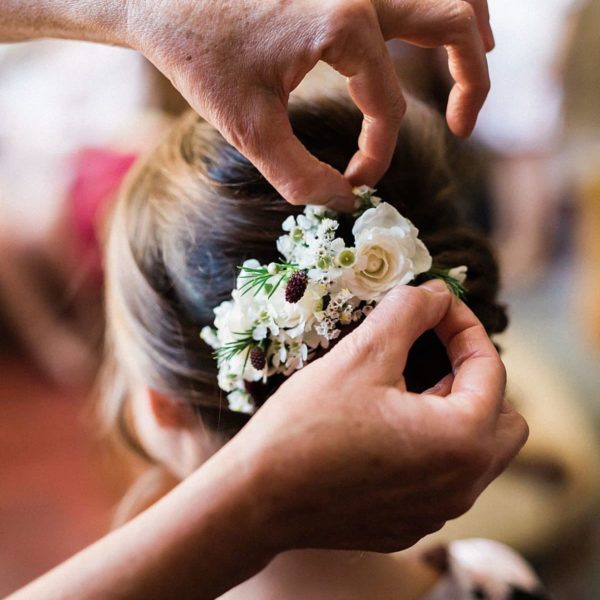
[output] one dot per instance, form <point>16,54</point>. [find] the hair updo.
<point>195,209</point>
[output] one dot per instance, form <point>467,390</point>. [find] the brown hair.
<point>195,209</point>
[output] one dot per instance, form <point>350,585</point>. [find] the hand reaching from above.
<point>236,62</point>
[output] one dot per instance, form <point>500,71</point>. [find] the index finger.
<point>265,136</point>
<point>382,342</point>
<point>375,89</point>
<point>479,374</point>
<point>468,67</point>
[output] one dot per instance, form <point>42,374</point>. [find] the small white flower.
<point>296,357</point>
<point>285,246</point>
<point>346,258</point>
<point>209,335</point>
<point>289,223</point>
<point>327,228</point>
<point>366,196</point>
<point>240,401</point>
<point>386,252</point>
<point>459,273</point>
<point>297,234</point>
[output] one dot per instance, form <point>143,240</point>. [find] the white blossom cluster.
<point>264,330</point>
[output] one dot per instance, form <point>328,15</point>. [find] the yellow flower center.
<point>377,264</point>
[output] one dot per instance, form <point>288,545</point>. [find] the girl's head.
<point>194,210</point>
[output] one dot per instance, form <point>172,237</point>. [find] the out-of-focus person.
<point>583,152</point>
<point>63,152</point>
<point>521,124</point>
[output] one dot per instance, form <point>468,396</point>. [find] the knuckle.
<point>351,15</point>
<point>523,430</point>
<point>346,20</point>
<point>299,190</point>
<point>410,297</point>
<point>365,341</point>
<point>465,15</point>
<point>503,374</point>
<point>473,420</point>
<point>396,108</point>
<point>469,457</point>
<point>293,199</point>
<point>434,526</point>
<point>460,504</point>
<point>250,131</point>
<point>243,134</point>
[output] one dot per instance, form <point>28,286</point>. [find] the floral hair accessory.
<point>280,314</point>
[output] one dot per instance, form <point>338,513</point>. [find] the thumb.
<point>383,341</point>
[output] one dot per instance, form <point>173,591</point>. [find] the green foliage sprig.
<point>258,278</point>
<point>454,285</point>
<point>231,349</point>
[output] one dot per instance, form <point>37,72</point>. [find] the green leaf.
<point>231,349</point>
<point>455,286</point>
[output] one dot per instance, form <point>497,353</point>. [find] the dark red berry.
<point>296,286</point>
<point>257,358</point>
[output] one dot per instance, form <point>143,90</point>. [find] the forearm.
<point>203,538</point>
<point>92,20</point>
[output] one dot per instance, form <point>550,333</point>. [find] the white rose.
<point>388,253</point>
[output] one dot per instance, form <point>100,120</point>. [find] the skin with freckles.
<point>236,62</point>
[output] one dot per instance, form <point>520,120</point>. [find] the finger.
<point>264,135</point>
<point>479,375</point>
<point>468,68</point>
<point>375,89</point>
<point>383,341</point>
<point>511,435</point>
<point>442,388</point>
<point>483,23</point>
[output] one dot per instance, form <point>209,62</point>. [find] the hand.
<point>236,62</point>
<point>350,459</point>
<point>342,456</point>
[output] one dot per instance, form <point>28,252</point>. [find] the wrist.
<point>273,485</point>
<point>88,20</point>
<point>231,494</point>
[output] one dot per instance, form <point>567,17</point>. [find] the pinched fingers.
<point>383,341</point>
<point>483,23</point>
<point>487,428</point>
<point>357,50</point>
<point>264,135</point>
<point>479,374</point>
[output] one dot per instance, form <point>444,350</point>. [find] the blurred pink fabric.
<point>98,176</point>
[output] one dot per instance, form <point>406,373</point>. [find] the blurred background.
<point>74,118</point>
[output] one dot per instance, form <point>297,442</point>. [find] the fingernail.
<point>346,204</point>
<point>435,286</point>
